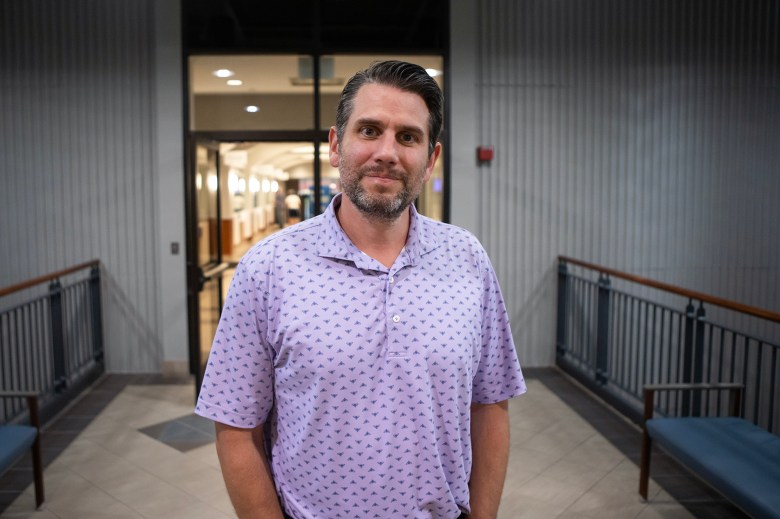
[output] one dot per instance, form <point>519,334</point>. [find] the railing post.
<point>57,336</point>
<point>602,330</point>
<point>97,315</point>
<point>563,292</point>
<point>687,364</point>
<point>698,358</point>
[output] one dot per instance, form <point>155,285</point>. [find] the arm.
<point>490,455</point>
<point>247,473</point>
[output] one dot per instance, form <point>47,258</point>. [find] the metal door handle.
<point>213,272</point>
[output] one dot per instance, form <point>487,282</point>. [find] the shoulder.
<point>452,237</point>
<point>288,242</point>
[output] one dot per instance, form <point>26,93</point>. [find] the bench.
<point>735,457</point>
<point>15,439</point>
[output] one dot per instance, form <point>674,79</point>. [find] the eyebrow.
<point>376,122</point>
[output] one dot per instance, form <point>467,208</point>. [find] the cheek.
<point>419,165</point>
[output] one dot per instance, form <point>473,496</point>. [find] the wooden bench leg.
<point>644,467</point>
<point>37,459</point>
<point>38,471</point>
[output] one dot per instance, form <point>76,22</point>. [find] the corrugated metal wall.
<point>76,157</point>
<point>639,134</point>
<point>642,135</point>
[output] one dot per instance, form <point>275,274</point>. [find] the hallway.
<point>131,448</point>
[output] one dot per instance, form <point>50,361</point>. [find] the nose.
<point>386,150</point>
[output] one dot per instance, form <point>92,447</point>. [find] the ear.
<point>333,145</point>
<point>432,161</point>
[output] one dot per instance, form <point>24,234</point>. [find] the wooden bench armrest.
<point>17,394</point>
<point>650,390</point>
<point>32,404</point>
<point>694,385</point>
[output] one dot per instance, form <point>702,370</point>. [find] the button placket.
<point>397,347</point>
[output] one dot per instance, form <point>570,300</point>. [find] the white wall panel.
<point>77,157</point>
<point>639,135</point>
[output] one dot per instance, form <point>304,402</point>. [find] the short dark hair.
<point>404,76</point>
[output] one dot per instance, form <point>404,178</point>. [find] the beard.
<point>377,205</point>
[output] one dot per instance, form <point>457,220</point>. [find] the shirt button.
<point>391,279</point>
<point>396,318</point>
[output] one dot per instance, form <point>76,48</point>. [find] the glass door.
<point>205,257</point>
<point>259,162</point>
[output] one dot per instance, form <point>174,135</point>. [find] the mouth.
<point>382,181</point>
<point>383,175</point>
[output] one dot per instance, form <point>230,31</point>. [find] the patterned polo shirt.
<point>363,375</point>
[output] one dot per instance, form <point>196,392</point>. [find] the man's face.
<point>383,155</point>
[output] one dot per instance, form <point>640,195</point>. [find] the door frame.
<point>213,140</point>
<point>194,271</point>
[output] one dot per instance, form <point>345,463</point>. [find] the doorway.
<point>241,193</point>
<point>258,162</point>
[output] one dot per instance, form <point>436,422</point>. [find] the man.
<point>363,360</point>
<point>293,203</point>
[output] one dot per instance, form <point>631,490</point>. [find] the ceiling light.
<point>252,109</point>
<point>234,82</point>
<point>223,72</point>
<point>433,72</point>
<point>212,182</point>
<point>233,182</point>
<point>309,150</point>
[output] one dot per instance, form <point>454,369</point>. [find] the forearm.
<point>247,472</point>
<point>490,455</point>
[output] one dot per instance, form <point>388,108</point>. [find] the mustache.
<point>380,171</point>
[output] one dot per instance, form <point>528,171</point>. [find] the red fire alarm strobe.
<point>484,153</point>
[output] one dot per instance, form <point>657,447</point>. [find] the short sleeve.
<point>239,380</point>
<point>498,376</point>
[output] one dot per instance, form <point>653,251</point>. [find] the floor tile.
<point>145,455</point>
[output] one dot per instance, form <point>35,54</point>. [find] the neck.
<point>381,239</point>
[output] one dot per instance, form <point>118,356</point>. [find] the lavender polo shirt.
<point>364,375</point>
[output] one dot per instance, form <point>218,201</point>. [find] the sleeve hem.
<point>228,417</point>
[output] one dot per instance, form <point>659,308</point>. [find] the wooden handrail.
<point>724,303</point>
<point>48,277</point>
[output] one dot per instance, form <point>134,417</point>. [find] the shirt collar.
<point>332,241</point>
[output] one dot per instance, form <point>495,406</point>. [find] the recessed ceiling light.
<point>309,150</point>
<point>433,72</point>
<point>234,82</point>
<point>252,109</point>
<point>223,72</point>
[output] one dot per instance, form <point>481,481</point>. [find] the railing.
<point>617,332</point>
<point>51,338</point>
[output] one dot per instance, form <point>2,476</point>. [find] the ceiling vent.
<point>306,72</point>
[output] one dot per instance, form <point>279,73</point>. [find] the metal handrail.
<point>52,342</point>
<point>706,298</point>
<point>617,341</point>
<point>46,277</point>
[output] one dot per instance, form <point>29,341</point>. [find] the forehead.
<point>390,105</point>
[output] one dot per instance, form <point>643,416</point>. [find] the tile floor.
<point>131,448</point>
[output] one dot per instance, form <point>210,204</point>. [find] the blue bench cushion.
<point>738,458</point>
<point>14,442</point>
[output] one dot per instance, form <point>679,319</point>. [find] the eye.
<point>368,131</point>
<point>408,138</point>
